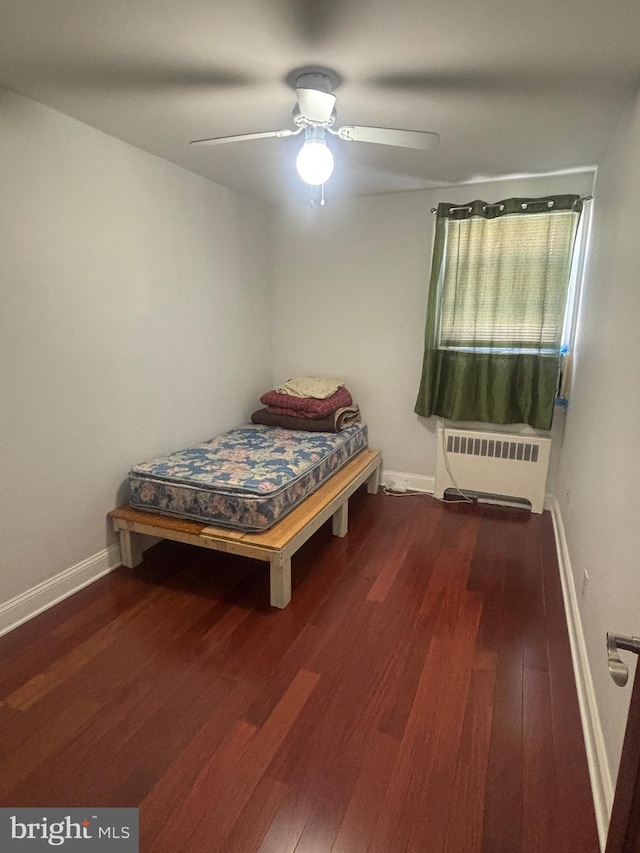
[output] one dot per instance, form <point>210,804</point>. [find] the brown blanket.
<point>335,422</point>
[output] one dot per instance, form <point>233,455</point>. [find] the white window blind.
<point>504,281</point>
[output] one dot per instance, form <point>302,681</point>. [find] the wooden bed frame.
<point>276,545</point>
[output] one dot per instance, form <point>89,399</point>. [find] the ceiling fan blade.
<point>243,137</point>
<point>315,105</point>
<point>389,136</point>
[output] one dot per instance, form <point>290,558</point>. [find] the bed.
<point>257,491</point>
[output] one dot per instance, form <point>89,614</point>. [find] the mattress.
<point>247,478</point>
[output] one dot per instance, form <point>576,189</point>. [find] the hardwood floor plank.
<point>168,730</point>
<point>487,576</point>
<point>140,738</point>
<point>541,829</point>
<point>436,801</point>
<point>503,803</point>
<point>121,668</point>
<point>36,688</point>
<point>216,816</point>
<point>401,678</point>
<point>535,647</point>
<point>179,822</point>
<point>43,744</point>
<point>324,820</point>
<point>288,823</point>
<point>214,736</point>
<point>109,639</point>
<point>66,778</point>
<point>64,626</point>
<point>464,830</point>
<point>358,825</point>
<point>256,817</point>
<point>391,565</point>
<point>416,804</point>
<point>360,664</point>
<point>343,691</point>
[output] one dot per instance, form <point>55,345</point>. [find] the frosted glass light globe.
<point>314,162</point>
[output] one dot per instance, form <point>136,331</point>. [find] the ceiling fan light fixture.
<point>315,162</point>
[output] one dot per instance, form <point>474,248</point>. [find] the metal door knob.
<point>618,669</point>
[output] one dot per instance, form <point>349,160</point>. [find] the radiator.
<point>495,464</point>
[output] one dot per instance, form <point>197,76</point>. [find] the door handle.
<point>618,669</point>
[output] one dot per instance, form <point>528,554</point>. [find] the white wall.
<point>600,461</point>
<point>134,320</point>
<point>350,284</point>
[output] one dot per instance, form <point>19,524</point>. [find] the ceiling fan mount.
<point>313,77</point>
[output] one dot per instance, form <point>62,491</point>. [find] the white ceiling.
<point>512,87</point>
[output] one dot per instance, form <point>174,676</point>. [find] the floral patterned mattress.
<point>247,478</point>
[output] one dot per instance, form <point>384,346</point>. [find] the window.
<point>499,313</point>
<point>504,284</point>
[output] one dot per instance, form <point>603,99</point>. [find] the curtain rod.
<point>582,198</point>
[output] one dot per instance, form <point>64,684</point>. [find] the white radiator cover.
<point>499,464</point>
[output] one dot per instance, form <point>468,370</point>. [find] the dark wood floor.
<point>416,695</point>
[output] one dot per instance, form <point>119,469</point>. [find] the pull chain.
<point>322,198</point>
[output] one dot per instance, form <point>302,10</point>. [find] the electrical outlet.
<point>585,585</point>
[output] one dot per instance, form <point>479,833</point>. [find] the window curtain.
<point>496,310</point>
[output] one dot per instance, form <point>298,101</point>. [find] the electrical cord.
<point>387,490</point>
<point>465,498</point>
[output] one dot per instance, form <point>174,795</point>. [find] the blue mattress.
<point>247,478</point>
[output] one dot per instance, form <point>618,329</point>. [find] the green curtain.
<point>495,312</point>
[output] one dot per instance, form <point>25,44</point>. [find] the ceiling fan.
<point>315,114</point>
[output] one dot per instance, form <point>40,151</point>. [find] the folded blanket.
<point>335,422</point>
<point>310,386</point>
<point>308,407</point>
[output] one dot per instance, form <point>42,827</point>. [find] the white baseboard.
<point>412,482</point>
<point>28,604</point>
<point>601,781</point>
